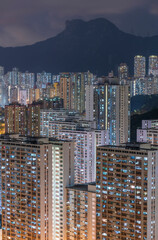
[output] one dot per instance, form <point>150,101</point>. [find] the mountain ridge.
<point>96,45</point>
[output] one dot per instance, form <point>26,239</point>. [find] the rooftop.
<point>88,187</point>
<point>16,138</point>
<point>132,146</point>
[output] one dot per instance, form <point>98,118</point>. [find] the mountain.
<point>96,45</point>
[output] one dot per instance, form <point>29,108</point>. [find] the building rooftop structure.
<point>132,146</point>
<point>91,187</point>
<point>28,139</point>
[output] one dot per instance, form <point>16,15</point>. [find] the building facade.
<point>126,186</point>
<point>112,111</point>
<point>34,119</point>
<point>148,133</point>
<point>16,119</point>
<point>81,212</point>
<point>35,172</point>
<point>153,65</point>
<point>89,104</point>
<point>139,66</point>
<point>84,152</point>
<point>123,72</point>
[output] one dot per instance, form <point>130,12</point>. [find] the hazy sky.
<point>27,21</point>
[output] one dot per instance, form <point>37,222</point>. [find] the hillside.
<point>96,45</point>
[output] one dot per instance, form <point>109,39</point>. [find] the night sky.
<point>27,21</point>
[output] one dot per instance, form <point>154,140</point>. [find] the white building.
<point>41,170</point>
<point>149,132</point>
<point>150,123</point>
<point>85,152</point>
<point>62,176</point>
<point>81,132</point>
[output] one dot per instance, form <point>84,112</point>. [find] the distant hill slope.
<point>96,45</point>
<point>144,103</point>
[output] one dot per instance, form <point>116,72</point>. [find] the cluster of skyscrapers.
<point>68,169</point>
<point>145,80</point>
<point>25,88</point>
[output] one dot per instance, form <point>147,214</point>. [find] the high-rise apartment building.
<point>66,90</point>
<point>31,120</point>
<point>145,86</point>
<point>7,79</point>
<point>38,94</point>
<point>52,128</point>
<point>153,65</point>
<point>31,95</point>
<point>52,103</point>
<point>29,79</point>
<point>86,142</point>
<point>15,119</point>
<point>127,190</point>
<point>81,81</point>
<point>26,80</point>
<point>89,102</point>
<point>34,119</point>
<point>81,212</point>
<point>50,116</point>
<point>89,78</point>
<point>35,173</point>
<point>79,92</point>
<point>72,89</point>
<point>1,71</point>
<point>59,125</point>
<point>2,78</point>
<point>123,71</point>
<point>14,76</point>
<point>148,133</point>
<point>23,97</point>
<point>55,78</point>
<point>56,90</point>
<point>43,79</point>
<point>112,111</point>
<point>13,94</point>
<point>3,94</point>
<point>139,66</point>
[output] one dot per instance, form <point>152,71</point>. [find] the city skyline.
<point>68,165</point>
<point>79,120</point>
